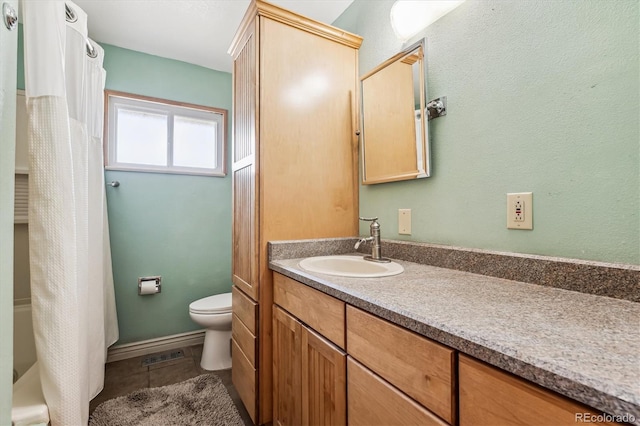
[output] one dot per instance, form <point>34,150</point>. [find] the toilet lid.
<point>218,304</point>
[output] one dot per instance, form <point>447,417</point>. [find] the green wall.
<point>8,47</point>
<point>542,97</point>
<point>176,226</point>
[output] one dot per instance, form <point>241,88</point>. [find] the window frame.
<point>171,109</point>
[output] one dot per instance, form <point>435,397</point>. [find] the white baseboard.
<point>160,344</point>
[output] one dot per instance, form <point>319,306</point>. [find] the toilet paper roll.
<point>147,287</point>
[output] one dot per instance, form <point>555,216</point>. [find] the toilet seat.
<point>218,304</point>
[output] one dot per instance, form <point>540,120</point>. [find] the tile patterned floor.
<point>126,376</point>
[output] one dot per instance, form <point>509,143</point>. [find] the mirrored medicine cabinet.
<point>394,134</point>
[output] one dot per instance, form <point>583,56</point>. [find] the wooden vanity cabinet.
<point>309,371</point>
<point>393,376</point>
<point>294,160</point>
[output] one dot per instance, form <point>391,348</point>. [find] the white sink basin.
<point>350,266</point>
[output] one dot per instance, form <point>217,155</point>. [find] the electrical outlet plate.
<point>404,221</point>
<point>520,210</point>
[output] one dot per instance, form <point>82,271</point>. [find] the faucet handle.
<point>375,226</point>
<point>369,219</point>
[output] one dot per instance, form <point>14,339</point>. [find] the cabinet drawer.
<point>244,339</point>
<point>321,312</point>
<point>372,401</point>
<point>244,308</point>
<point>421,368</point>
<point>491,396</point>
<point>244,378</point>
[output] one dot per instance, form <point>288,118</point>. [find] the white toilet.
<point>214,314</point>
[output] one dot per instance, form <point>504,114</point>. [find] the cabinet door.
<point>324,392</point>
<point>244,178</point>
<point>287,332</point>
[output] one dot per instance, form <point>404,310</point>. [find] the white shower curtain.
<point>71,279</point>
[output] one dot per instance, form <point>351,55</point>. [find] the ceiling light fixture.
<point>408,17</point>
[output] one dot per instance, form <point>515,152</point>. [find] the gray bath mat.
<point>202,400</point>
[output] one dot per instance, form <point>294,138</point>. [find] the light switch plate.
<point>404,221</point>
<point>520,210</point>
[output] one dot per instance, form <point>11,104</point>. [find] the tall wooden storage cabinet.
<point>295,172</point>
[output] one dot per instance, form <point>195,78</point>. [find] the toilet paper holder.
<point>149,285</point>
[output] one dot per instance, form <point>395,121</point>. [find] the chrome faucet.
<point>376,248</point>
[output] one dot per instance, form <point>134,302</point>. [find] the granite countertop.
<point>583,346</point>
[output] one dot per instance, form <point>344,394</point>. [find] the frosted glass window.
<point>141,138</point>
<point>194,142</point>
<point>154,135</point>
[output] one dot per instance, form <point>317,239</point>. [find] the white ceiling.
<point>194,31</point>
